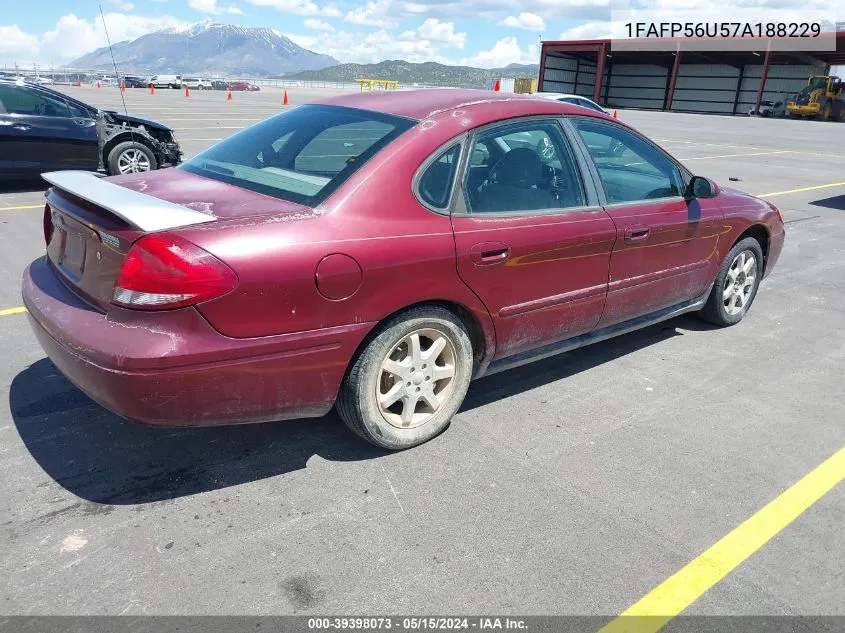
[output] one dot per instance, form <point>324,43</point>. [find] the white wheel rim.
<point>416,378</point>
<point>739,283</point>
<point>132,161</point>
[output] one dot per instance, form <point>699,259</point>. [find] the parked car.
<point>770,109</point>
<point>196,83</point>
<point>243,85</point>
<point>133,81</point>
<point>573,99</point>
<point>492,252</point>
<point>219,84</point>
<point>44,130</point>
<point>165,81</point>
<point>38,79</point>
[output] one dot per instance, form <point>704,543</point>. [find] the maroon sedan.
<point>377,252</point>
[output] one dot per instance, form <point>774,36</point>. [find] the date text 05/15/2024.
<point>416,623</point>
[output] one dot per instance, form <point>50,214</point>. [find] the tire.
<point>725,311</point>
<point>399,426</point>
<point>114,158</point>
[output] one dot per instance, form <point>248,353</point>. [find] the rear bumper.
<point>172,368</point>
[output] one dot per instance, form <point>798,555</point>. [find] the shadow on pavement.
<point>836,202</point>
<point>23,185</point>
<point>102,458</point>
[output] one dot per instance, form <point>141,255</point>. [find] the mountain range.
<point>208,48</point>
<point>427,73</point>
<point>227,50</point>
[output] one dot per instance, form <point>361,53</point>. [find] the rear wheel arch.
<point>478,336</point>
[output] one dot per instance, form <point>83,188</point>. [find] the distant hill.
<point>429,73</point>
<point>208,48</point>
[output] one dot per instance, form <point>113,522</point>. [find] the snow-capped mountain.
<point>208,47</point>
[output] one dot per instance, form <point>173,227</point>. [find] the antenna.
<point>114,63</point>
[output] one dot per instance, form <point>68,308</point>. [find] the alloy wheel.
<point>416,378</point>
<point>132,161</point>
<point>739,282</point>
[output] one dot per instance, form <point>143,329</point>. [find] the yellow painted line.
<point>9,311</point>
<point>676,593</point>
<point>800,189</point>
<point>21,208</point>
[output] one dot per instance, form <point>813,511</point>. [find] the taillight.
<point>165,271</point>
<point>48,224</point>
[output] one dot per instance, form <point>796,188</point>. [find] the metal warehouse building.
<point>680,80</point>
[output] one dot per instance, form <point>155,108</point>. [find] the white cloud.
<point>73,36</point>
<point>16,45</point>
<point>210,6</point>
<point>318,25</point>
<point>587,31</point>
<point>374,13</point>
<point>525,20</point>
<point>371,47</point>
<point>435,31</point>
<point>298,7</point>
<point>504,52</point>
<point>123,5</point>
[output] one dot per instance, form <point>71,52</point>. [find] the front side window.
<point>530,168</point>
<point>630,168</point>
<point>28,101</point>
<point>302,155</point>
<point>435,185</point>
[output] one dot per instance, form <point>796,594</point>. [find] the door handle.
<point>487,253</point>
<point>23,127</point>
<point>636,233</point>
<point>82,122</point>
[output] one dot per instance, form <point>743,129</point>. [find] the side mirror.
<point>701,187</point>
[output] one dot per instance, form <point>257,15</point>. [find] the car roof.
<point>427,102</point>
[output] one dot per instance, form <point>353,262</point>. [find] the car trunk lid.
<point>96,220</point>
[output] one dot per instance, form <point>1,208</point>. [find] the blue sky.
<point>481,32</point>
<point>487,33</point>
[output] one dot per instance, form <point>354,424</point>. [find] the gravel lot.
<point>572,486</point>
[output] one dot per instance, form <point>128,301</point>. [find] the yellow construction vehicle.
<point>821,98</point>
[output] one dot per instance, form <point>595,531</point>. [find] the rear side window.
<point>435,185</point>
<point>302,155</point>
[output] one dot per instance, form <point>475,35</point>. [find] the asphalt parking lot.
<point>572,486</point>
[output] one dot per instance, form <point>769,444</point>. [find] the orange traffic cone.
<point>98,83</point>
<point>123,86</point>
<point>285,101</point>
<point>614,114</point>
<point>187,91</point>
<point>229,95</point>
<point>497,86</point>
<point>152,89</point>
<point>78,83</point>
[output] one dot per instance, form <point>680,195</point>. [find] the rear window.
<point>302,155</point>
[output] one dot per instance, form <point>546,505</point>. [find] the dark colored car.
<point>219,84</point>
<point>44,130</point>
<point>132,81</point>
<point>243,86</point>
<point>376,252</point>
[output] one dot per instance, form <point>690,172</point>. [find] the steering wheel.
<point>546,148</point>
<point>616,148</point>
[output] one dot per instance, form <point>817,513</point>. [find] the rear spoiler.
<point>138,209</point>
